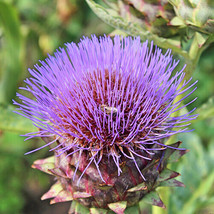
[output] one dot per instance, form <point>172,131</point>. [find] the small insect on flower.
<point>106,107</point>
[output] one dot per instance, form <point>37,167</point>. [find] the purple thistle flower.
<point>113,98</point>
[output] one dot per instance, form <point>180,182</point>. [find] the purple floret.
<point>107,97</point>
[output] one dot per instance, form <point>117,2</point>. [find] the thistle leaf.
<point>167,174</point>
<point>44,165</point>
<point>58,172</point>
<point>169,151</point>
<point>118,207</point>
<point>62,197</point>
<point>153,199</point>
<point>81,195</point>
<point>79,209</point>
<point>172,183</point>
<point>139,187</point>
<point>176,155</point>
<point>53,192</point>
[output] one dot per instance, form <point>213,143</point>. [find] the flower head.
<point>104,97</point>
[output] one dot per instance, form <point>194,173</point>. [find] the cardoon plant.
<point>106,108</point>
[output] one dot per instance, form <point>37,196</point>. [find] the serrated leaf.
<point>62,197</point>
<point>9,121</point>
<point>139,187</point>
<point>167,174</point>
<point>131,28</point>
<point>171,183</point>
<point>53,191</point>
<point>176,155</point>
<point>81,195</point>
<point>118,207</point>
<point>169,151</point>
<point>44,164</point>
<point>57,172</point>
<point>153,199</point>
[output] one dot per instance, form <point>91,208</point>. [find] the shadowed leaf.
<point>167,174</point>
<point>172,183</point>
<point>139,187</point>
<point>79,209</point>
<point>176,155</point>
<point>153,199</point>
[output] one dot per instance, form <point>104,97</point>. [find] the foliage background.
<point>31,29</point>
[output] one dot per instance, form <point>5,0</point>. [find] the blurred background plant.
<point>31,29</point>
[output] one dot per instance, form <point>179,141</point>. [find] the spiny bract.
<point>105,107</point>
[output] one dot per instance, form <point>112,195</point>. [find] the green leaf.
<point>171,183</point>
<point>79,209</point>
<point>10,55</point>
<point>9,121</point>
<point>132,210</point>
<point>139,187</point>
<point>206,110</point>
<point>153,199</point>
<point>177,21</point>
<point>176,155</point>
<point>118,207</point>
<point>118,32</point>
<point>94,210</point>
<point>131,28</point>
<point>167,174</point>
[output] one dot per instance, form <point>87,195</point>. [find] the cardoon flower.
<point>106,107</point>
